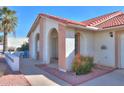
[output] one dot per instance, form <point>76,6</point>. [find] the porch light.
<point>111,34</point>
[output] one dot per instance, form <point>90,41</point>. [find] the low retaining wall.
<point>13,61</point>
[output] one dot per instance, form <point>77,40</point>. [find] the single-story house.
<point>54,38</point>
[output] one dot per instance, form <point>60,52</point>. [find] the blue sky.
<point>27,14</point>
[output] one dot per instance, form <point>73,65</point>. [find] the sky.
<point>27,14</point>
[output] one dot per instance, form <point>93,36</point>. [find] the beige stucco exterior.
<point>98,44</point>
<point>104,56</point>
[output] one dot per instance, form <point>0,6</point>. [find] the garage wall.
<point>104,48</point>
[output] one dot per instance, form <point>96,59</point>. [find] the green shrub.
<point>82,65</point>
<point>75,64</point>
<point>24,47</point>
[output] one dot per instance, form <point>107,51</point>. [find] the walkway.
<point>37,77</point>
<point>115,78</point>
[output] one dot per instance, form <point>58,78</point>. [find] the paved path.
<point>37,77</point>
<point>115,78</point>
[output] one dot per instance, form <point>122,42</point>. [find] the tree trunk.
<point>5,42</point>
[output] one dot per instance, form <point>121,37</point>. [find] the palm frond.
<point>8,19</point>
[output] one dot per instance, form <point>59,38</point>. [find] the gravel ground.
<point>10,78</point>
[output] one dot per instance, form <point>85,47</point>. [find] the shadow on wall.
<point>69,60</point>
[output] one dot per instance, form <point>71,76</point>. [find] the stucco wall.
<point>70,47</point>
<point>90,44</point>
<point>48,26</point>
<point>34,33</point>
<point>86,43</point>
<point>104,56</point>
<point>30,45</point>
<point>121,62</point>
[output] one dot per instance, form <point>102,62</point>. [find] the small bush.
<point>24,47</point>
<point>11,49</point>
<point>75,64</point>
<point>82,65</point>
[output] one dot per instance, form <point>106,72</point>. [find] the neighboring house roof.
<point>106,21</point>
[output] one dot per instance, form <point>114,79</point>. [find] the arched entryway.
<point>37,46</point>
<point>80,44</point>
<point>53,47</point>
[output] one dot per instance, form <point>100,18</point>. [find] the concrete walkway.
<point>40,80</point>
<point>37,77</point>
<point>115,78</point>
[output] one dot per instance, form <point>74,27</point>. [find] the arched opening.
<point>37,46</point>
<point>53,47</point>
<point>82,44</point>
<point>77,43</point>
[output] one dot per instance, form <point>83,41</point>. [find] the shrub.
<point>11,49</point>
<point>75,65</point>
<point>82,64</point>
<point>24,47</point>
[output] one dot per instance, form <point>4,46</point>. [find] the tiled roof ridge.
<point>110,19</point>
<point>100,19</point>
<point>115,21</point>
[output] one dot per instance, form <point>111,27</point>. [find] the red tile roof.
<point>101,22</point>
<point>63,20</point>
<point>115,21</point>
<point>106,21</point>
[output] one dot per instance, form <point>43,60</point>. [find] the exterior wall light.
<point>111,34</point>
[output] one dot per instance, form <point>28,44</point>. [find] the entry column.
<point>61,48</point>
<point>41,39</point>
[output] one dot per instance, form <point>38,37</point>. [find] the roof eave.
<point>92,28</point>
<point>113,28</point>
<point>83,27</point>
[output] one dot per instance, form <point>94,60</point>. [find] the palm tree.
<point>8,23</point>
